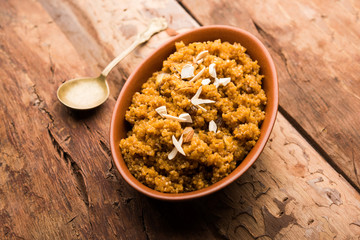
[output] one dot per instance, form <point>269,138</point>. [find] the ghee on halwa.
<point>236,109</point>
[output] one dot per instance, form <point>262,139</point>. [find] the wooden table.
<point>57,178</point>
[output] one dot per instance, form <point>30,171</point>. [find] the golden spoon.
<point>88,93</point>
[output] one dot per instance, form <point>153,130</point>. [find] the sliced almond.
<point>197,94</point>
<point>212,70</point>
<point>188,134</point>
<point>200,61</point>
<point>216,82</point>
<point>212,126</point>
<point>187,71</point>
<point>172,154</point>
<point>198,75</point>
<point>177,144</point>
<point>161,110</point>
<point>224,81</point>
<point>201,55</point>
<point>159,78</point>
<point>197,101</point>
<point>186,117</point>
<point>201,101</point>
<point>206,81</point>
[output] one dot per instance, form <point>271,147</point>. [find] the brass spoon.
<point>88,93</point>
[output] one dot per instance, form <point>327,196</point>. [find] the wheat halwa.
<point>208,102</point>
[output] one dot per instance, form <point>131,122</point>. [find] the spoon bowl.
<point>84,93</point>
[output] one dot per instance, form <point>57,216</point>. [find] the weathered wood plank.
<point>315,45</point>
<point>57,180</point>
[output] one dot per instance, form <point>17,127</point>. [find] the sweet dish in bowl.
<point>213,65</point>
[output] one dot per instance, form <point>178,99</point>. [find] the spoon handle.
<point>156,25</point>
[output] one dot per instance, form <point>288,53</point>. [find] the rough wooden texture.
<point>315,45</point>
<point>57,180</point>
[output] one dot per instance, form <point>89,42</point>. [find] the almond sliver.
<point>186,117</point>
<point>201,101</point>
<point>201,55</point>
<point>177,144</point>
<point>198,75</point>
<point>161,110</point>
<point>197,94</point>
<point>212,126</point>
<point>206,81</point>
<point>187,71</point>
<point>196,100</point>
<point>216,82</point>
<point>212,70</point>
<point>224,81</point>
<point>172,154</point>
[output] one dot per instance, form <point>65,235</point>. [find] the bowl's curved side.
<point>153,63</point>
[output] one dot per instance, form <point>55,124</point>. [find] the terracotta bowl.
<point>119,127</point>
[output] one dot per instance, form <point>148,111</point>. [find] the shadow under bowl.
<point>119,127</point>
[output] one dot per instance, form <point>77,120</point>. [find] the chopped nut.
<point>184,117</point>
<point>197,101</point>
<point>201,55</point>
<point>206,81</point>
<point>212,70</point>
<point>177,147</point>
<point>188,134</point>
<point>177,144</point>
<point>198,75</point>
<point>212,126</point>
<point>187,71</point>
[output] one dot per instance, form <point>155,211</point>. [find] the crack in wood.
<point>354,166</point>
<point>247,211</point>
<point>144,224</point>
<point>357,223</point>
<point>72,219</point>
<point>188,11</point>
<point>105,148</point>
<point>261,193</point>
<point>40,104</point>
<point>76,171</point>
<point>52,65</point>
<point>248,231</point>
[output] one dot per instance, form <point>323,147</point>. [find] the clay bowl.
<point>119,127</point>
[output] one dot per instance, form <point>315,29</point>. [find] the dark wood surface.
<point>57,178</point>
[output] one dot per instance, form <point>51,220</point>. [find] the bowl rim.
<point>237,172</point>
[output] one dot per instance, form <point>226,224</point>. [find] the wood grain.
<point>315,45</point>
<point>57,179</point>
